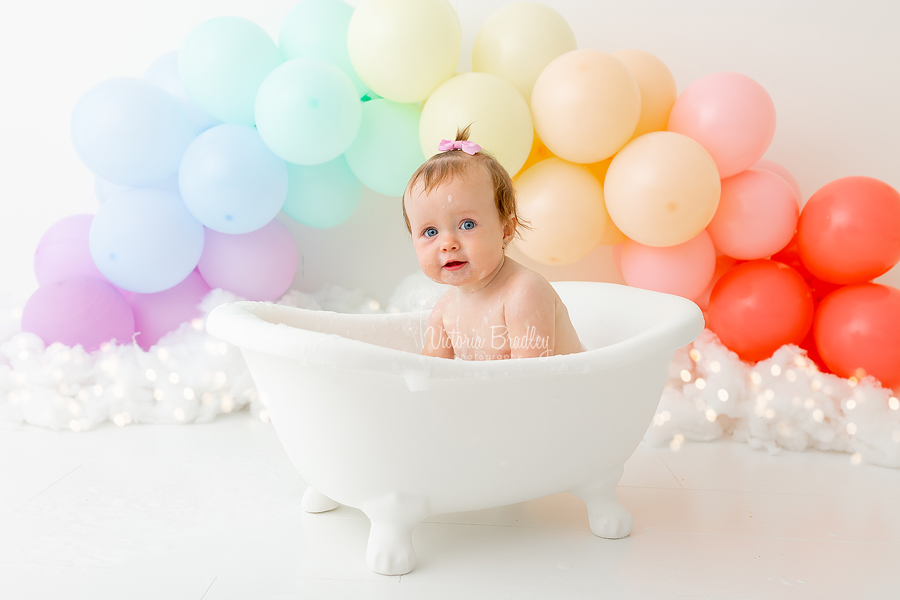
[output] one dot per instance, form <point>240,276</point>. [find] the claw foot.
<point>607,517</point>
<point>316,502</point>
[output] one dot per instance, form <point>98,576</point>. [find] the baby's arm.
<point>437,342</point>
<point>530,312</point>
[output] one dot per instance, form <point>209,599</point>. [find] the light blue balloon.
<point>164,73</point>
<point>386,151</point>
<point>130,131</point>
<point>144,240</point>
<point>307,111</point>
<point>104,190</point>
<point>322,195</point>
<point>222,62</point>
<point>318,29</point>
<point>230,180</point>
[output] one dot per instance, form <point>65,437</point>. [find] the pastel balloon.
<point>849,230</point>
<point>723,264</point>
<point>771,165</point>
<point>63,252</point>
<point>386,151</point>
<point>857,332</point>
<point>683,270</point>
<point>759,306</point>
<point>130,131</point>
<point>731,115</point>
<point>222,62</point>
<point>518,40</point>
<point>658,90</point>
<point>586,105</point>
<point>790,255</point>
<point>323,195</point>
<point>145,240</point>
<point>662,189</point>
<point>104,190</point>
<point>538,152</point>
<point>404,49</point>
<point>757,215</point>
<point>164,73</point>
<point>157,314</point>
<point>499,116</point>
<point>318,29</point>
<point>259,265</point>
<point>230,180</point>
<point>307,111</point>
<point>81,310</point>
<point>564,204</point>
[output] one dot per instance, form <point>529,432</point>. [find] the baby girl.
<point>460,208</point>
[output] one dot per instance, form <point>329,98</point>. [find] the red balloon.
<point>849,231</point>
<point>759,306</point>
<point>858,327</point>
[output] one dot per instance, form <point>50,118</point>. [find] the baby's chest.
<point>475,337</point>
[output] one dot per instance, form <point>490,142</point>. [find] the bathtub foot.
<point>608,518</point>
<point>390,550</point>
<point>315,501</point>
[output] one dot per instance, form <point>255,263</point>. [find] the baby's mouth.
<point>453,265</point>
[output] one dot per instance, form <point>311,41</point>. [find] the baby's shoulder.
<point>526,286</point>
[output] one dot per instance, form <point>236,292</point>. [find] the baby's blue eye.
<point>468,224</point>
<point>430,232</point>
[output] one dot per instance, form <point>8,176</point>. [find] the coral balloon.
<point>723,264</point>
<point>586,105</point>
<point>731,115</point>
<point>157,314</point>
<point>564,204</point>
<point>662,189</point>
<point>849,230</point>
<point>404,49</point>
<point>771,165</point>
<point>759,306</point>
<point>857,332</point>
<point>684,270</point>
<point>790,255</point>
<point>63,251</point>
<point>518,40</point>
<point>658,90</point>
<point>501,123</point>
<point>757,215</point>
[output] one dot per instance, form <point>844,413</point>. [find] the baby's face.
<point>456,230</point>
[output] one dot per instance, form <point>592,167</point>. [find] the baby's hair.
<point>445,166</point>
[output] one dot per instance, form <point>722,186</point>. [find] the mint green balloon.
<point>307,111</point>
<point>318,29</point>
<point>322,195</point>
<point>386,151</point>
<point>222,63</point>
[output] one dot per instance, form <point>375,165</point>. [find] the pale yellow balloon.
<point>658,90</point>
<point>518,40</point>
<point>586,104</point>
<point>404,49</point>
<point>662,189</point>
<point>499,118</point>
<point>564,204</point>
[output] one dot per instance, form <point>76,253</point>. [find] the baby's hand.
<point>530,312</point>
<point>437,342</point>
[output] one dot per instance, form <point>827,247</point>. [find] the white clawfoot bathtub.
<point>371,424</point>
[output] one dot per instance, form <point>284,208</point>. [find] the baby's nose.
<point>449,242</point>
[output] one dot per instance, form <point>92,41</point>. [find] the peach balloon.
<point>731,115</point>
<point>564,204</point>
<point>662,189</point>
<point>586,105</point>
<point>684,270</point>
<point>658,90</point>
<point>771,165</point>
<point>757,215</point>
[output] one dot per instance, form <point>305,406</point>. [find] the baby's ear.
<point>509,228</point>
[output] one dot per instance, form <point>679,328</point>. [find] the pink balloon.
<point>730,115</point>
<point>63,251</point>
<point>757,215</point>
<point>81,310</point>
<point>723,263</point>
<point>259,265</point>
<point>157,314</point>
<point>684,270</point>
<point>771,165</point>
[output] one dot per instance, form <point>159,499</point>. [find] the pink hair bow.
<point>465,146</point>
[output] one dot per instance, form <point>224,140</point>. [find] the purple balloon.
<point>63,251</point>
<point>157,314</point>
<point>259,265</point>
<point>81,310</point>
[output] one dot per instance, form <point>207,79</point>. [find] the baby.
<point>460,208</point>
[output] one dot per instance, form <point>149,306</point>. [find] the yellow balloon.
<point>500,120</point>
<point>518,40</point>
<point>404,49</point>
<point>586,104</point>
<point>662,189</point>
<point>658,90</point>
<point>564,204</point>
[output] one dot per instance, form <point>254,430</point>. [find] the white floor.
<point>212,512</point>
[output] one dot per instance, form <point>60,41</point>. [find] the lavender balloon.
<point>63,253</point>
<point>157,314</point>
<point>258,266</point>
<point>82,310</point>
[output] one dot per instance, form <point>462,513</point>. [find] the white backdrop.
<point>830,66</point>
